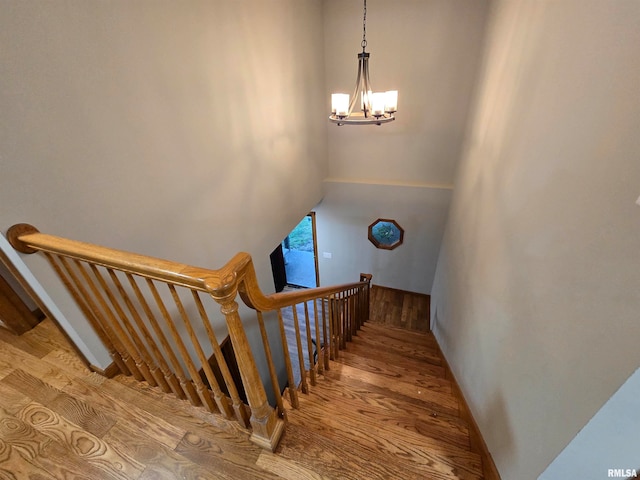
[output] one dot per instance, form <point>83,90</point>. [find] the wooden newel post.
<point>366,277</point>
<point>266,425</point>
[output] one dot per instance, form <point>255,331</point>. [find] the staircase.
<point>383,411</point>
<point>363,400</point>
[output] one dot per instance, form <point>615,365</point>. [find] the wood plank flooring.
<point>385,410</point>
<point>399,308</point>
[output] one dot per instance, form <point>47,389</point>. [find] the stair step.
<point>365,351</point>
<point>394,401</point>
<point>407,449</point>
<point>404,335</point>
<point>381,343</point>
<point>440,402</point>
<point>413,374</point>
<point>332,456</point>
<point>420,419</point>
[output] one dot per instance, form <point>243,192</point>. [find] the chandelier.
<point>374,108</point>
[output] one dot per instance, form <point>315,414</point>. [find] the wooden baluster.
<point>343,321</point>
<point>169,376</point>
<point>366,277</point>
<point>348,317</point>
<point>272,368</point>
<point>109,321</point>
<point>363,306</point>
<point>360,307</point>
<point>238,405</point>
<point>185,384</point>
<point>131,341</point>
<point>203,391</point>
<point>318,344</point>
<point>267,426</point>
<point>356,309</point>
<point>293,391</point>
<point>354,317</point>
<point>337,321</point>
<point>333,350</point>
<point>93,315</point>
<point>325,327</point>
<point>345,315</point>
<point>195,384</point>
<point>148,339</point>
<point>354,321</point>
<point>312,368</point>
<point>303,373</point>
<point>348,297</point>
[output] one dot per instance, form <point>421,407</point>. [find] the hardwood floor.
<point>398,308</point>
<point>385,410</point>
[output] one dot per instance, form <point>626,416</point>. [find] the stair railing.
<point>154,318</point>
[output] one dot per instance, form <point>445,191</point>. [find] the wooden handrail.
<point>27,239</point>
<point>94,276</point>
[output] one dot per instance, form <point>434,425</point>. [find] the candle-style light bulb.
<point>377,104</point>
<point>340,104</point>
<point>391,101</point>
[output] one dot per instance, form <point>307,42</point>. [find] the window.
<point>385,233</point>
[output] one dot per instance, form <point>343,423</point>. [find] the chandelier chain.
<point>364,27</point>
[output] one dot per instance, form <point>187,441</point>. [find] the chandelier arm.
<point>366,87</point>
<point>355,98</point>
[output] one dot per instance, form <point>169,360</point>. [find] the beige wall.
<point>429,51</point>
<point>175,129</point>
<point>343,219</point>
<point>535,301</point>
